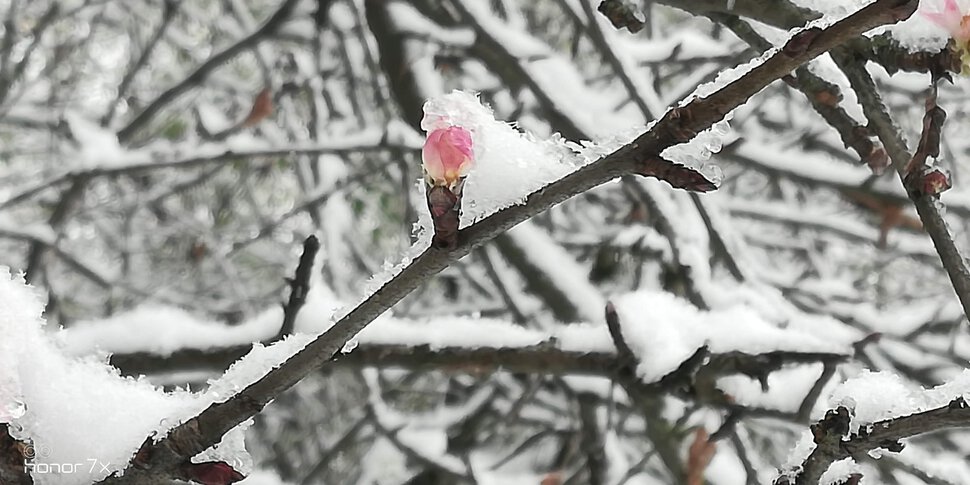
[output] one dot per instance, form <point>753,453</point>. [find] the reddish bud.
<point>262,107</point>
<point>212,473</point>
<point>878,160</point>
<point>800,42</point>
<point>934,181</point>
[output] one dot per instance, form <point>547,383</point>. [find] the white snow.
<point>787,388</point>
<point>162,330</point>
<point>876,396</point>
<point>508,164</point>
<point>97,146</point>
<point>918,33</point>
<point>840,470</point>
<point>212,118</point>
<point>685,43</point>
<point>664,331</point>
<point>568,276</point>
<point>407,19</point>
<point>139,331</point>
<point>166,330</point>
<point>80,411</point>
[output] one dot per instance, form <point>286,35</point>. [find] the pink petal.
<point>431,155</point>
<point>950,19</point>
<point>447,154</point>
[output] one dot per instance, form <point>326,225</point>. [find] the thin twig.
<point>224,157</point>
<point>927,205</point>
<point>808,403</point>
<point>203,71</point>
<point>592,441</point>
<point>169,9</point>
<point>299,286</point>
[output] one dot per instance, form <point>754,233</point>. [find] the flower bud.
<point>447,155</point>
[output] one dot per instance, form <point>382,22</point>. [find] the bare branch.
<point>592,441</point>
<point>169,9</point>
<point>203,71</point>
<point>299,286</point>
<point>927,205</point>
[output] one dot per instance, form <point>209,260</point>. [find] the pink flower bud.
<point>447,155</point>
<point>953,20</point>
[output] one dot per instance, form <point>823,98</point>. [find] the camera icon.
<point>31,451</point>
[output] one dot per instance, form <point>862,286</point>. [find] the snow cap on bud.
<point>447,155</point>
<point>956,21</point>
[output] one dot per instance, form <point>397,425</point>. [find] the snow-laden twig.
<point>217,154</point>
<point>832,444</point>
<point>928,205</point>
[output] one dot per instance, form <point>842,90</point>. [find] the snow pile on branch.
<point>509,164</point>
<point>664,331</point>
<point>876,396</point>
<point>186,331</point>
<point>97,146</point>
<point>82,413</point>
<point>73,411</point>
<point>871,397</point>
<point>163,330</point>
